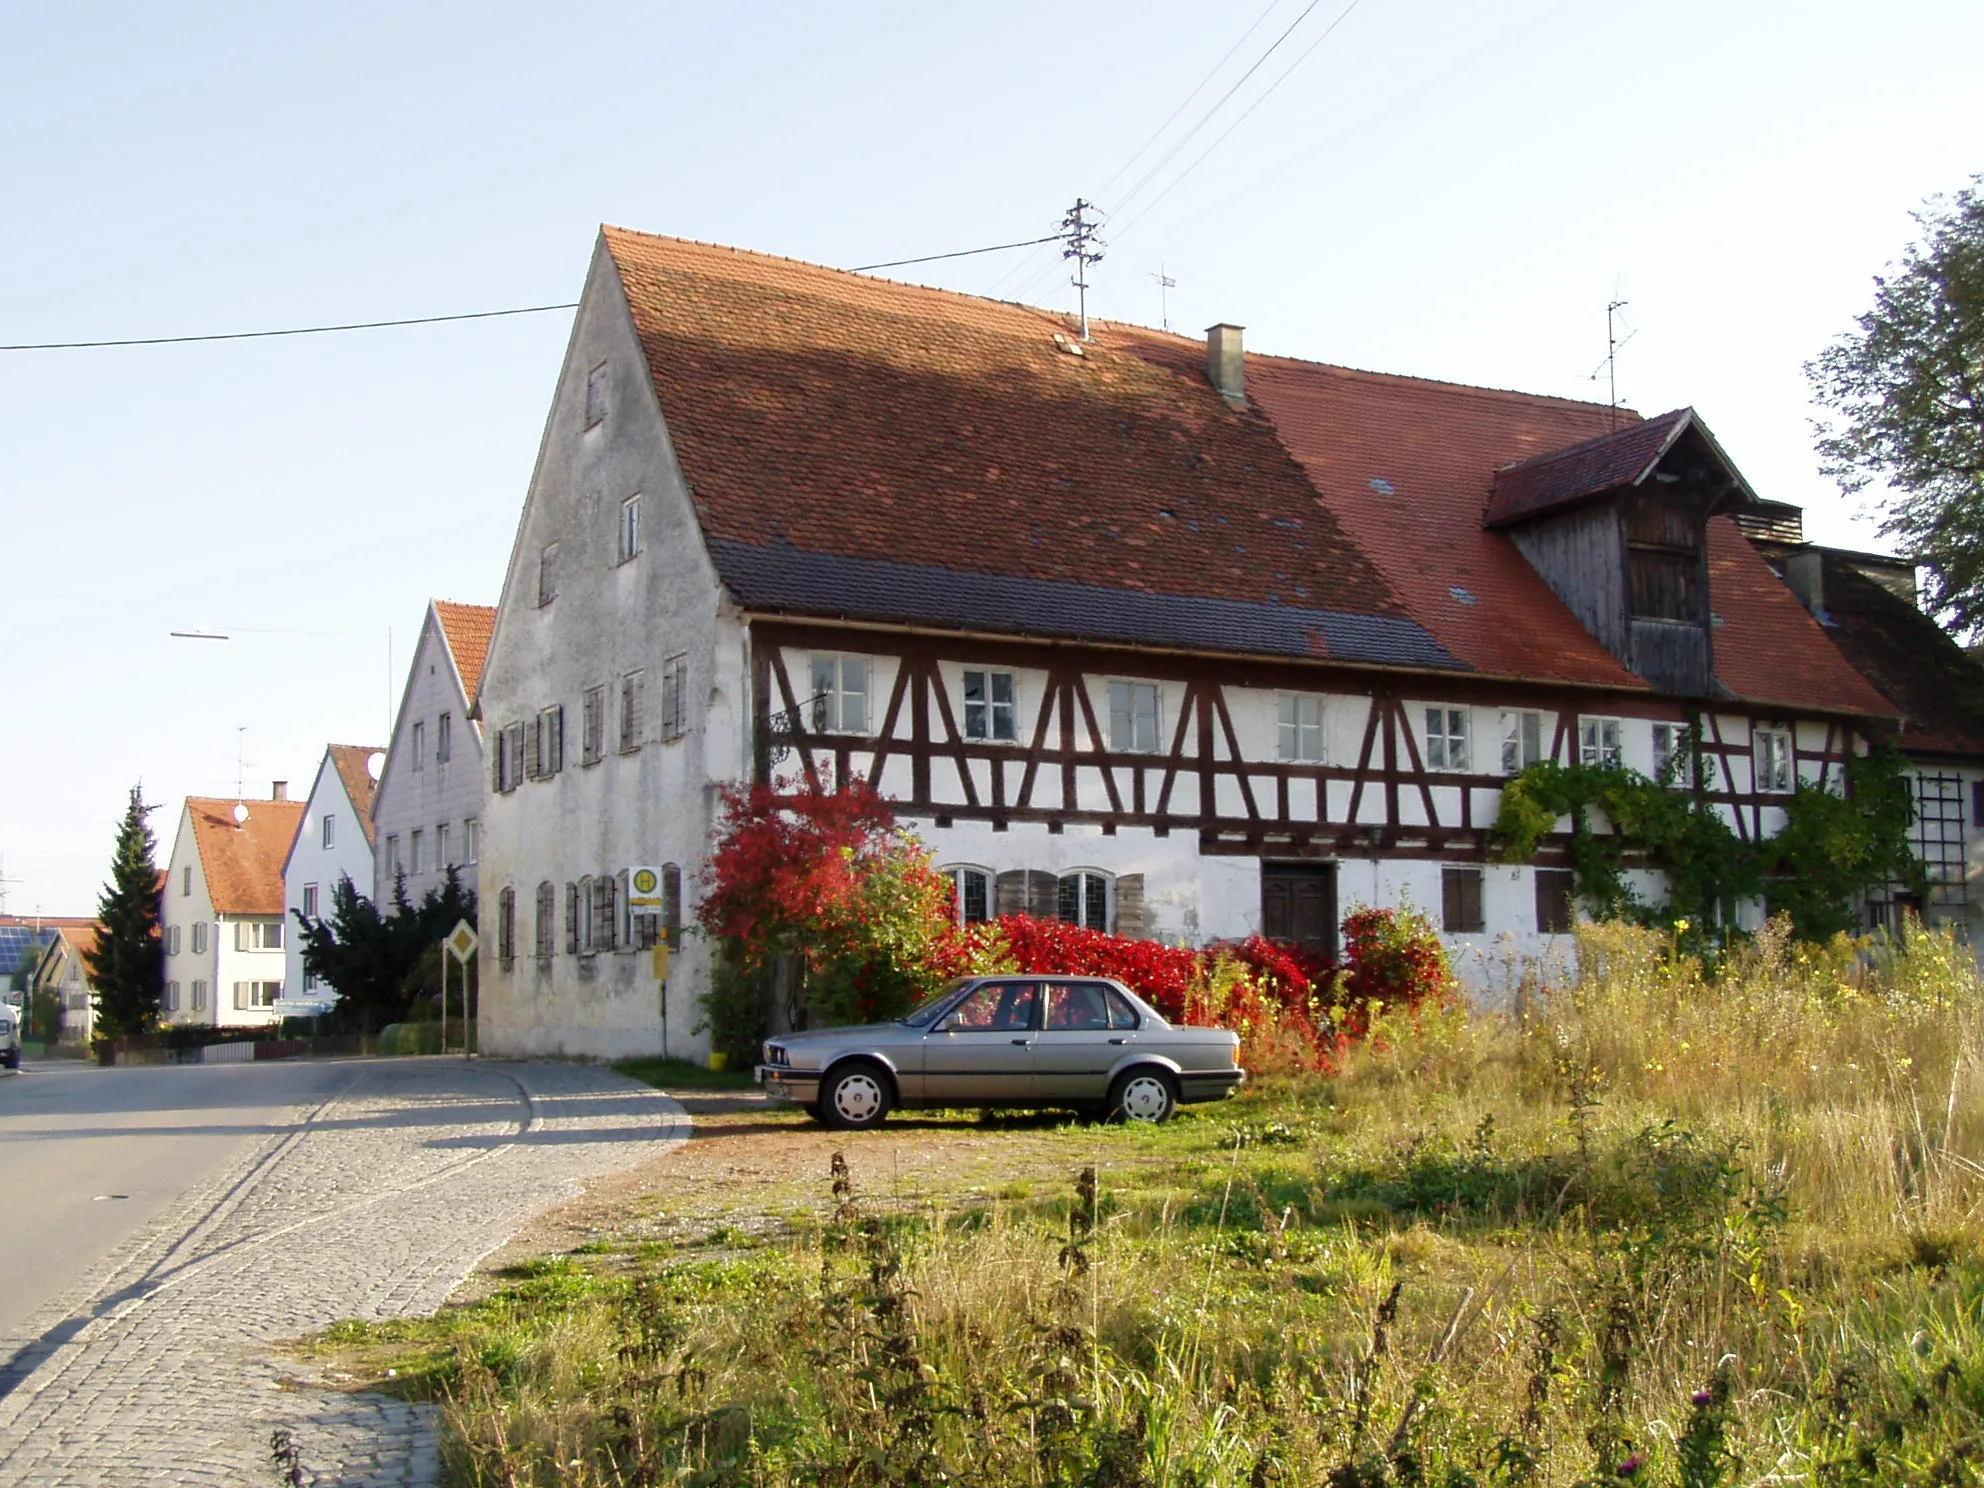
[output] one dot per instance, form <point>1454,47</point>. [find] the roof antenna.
<point>1164,282</point>
<point>4,881</point>
<point>1083,248</point>
<point>240,765</point>
<point>1610,366</point>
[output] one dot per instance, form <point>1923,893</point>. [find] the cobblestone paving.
<point>374,1203</point>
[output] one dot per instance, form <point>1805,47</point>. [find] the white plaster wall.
<point>310,862</point>
<point>410,799</point>
<point>649,807</point>
<point>180,909</point>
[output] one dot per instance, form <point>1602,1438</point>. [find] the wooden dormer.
<point>1618,528</point>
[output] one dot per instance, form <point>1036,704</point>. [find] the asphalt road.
<point>89,1156</point>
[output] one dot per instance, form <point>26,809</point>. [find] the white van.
<point>10,1036</point>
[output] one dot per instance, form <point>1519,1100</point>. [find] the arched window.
<point>1084,899</point>
<point>972,903</point>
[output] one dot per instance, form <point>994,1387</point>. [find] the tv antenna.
<point>4,881</point>
<point>1083,247</point>
<point>1164,282</point>
<point>1610,366</point>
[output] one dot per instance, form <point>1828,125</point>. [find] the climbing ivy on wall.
<point>1833,848</point>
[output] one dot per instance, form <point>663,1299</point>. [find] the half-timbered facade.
<point>1143,632</point>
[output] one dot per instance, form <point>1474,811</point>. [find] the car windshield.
<point>925,1012</point>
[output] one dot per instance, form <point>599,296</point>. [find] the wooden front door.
<point>1298,903</point>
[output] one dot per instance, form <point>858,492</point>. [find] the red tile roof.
<point>864,419</point>
<point>353,769</point>
<point>466,628</point>
<point>1622,458</point>
<point>243,864</point>
<point>855,446</point>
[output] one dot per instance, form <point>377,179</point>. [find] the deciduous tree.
<point>1906,396</point>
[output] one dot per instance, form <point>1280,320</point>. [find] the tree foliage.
<point>1834,847</point>
<point>1906,395</point>
<point>127,964</point>
<point>379,961</point>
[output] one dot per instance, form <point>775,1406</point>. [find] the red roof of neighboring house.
<point>860,447</point>
<point>243,863</point>
<point>352,763</point>
<point>466,628</point>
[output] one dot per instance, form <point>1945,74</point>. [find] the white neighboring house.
<point>427,810</point>
<point>333,843</point>
<point>222,912</point>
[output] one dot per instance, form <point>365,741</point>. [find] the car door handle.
<point>1023,1042</point>
<point>1119,1041</point>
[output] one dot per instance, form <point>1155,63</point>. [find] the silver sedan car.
<point>1077,1042</point>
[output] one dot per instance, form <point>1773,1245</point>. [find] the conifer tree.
<point>127,967</point>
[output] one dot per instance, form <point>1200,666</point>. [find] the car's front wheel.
<point>855,1098</point>
<point>1145,1095</point>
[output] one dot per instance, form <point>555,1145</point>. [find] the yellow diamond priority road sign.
<point>462,940</point>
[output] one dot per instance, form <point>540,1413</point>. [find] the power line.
<point>363,325</point>
<point>1206,118</point>
<point>897,263</point>
<point>1150,206</point>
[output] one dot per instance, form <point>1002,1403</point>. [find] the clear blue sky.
<point>1446,189</point>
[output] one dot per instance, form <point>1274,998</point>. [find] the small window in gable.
<point>1446,739</point>
<point>419,746</point>
<point>630,528</point>
<point>330,830</point>
<point>596,396</point>
<point>444,738</point>
<point>547,574</point>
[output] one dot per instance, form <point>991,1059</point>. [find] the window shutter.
<point>1130,905</point>
<point>671,903</point>
<point>498,756</point>
<point>1043,894</point>
<point>571,919</point>
<point>533,755</point>
<point>557,741</point>
<point>1009,894</point>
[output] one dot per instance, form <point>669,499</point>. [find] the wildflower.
<point>1631,1465</point>
<point>1703,1397</point>
<point>1681,926</point>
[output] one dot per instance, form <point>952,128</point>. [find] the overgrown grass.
<point>1654,1225</point>
<point>680,1074</point>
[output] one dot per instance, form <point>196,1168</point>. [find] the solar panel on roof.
<point>16,944</point>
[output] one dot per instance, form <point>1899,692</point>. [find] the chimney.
<point>279,790</point>
<point>1223,364</point>
<point>1804,571</point>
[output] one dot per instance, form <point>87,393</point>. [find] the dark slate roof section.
<point>1911,658</point>
<point>782,577</point>
<point>1564,476</point>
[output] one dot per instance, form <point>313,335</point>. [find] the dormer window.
<point>1664,570</point>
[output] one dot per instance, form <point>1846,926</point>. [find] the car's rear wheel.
<point>1143,1095</point>
<point>855,1097</point>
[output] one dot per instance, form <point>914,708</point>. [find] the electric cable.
<point>363,325</point>
<point>897,263</point>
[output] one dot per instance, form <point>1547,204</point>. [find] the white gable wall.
<point>420,792</point>
<point>311,863</point>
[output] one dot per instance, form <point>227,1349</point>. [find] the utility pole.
<point>1164,282</point>
<point>4,881</point>
<point>1083,248</point>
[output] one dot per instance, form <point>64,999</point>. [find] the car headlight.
<point>775,1054</point>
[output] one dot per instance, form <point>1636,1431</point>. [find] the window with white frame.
<point>1299,727</point>
<point>416,860</point>
<point>444,738</point>
<point>330,830</point>
<point>250,995</point>
<point>1772,759</point>
<point>1673,758</point>
<point>1133,717</point>
<point>199,997</point>
<point>989,707</point>
<point>509,757</point>
<point>1522,740</point>
<point>392,855</point>
<point>172,997</point>
<point>419,746</point>
<point>199,937</point>
<point>258,935</point>
<point>596,396</point>
<point>839,700</point>
<point>172,941</point>
<point>974,894</point>
<point>1446,738</point>
<point>675,697</point>
<point>633,710</point>
<point>442,861</point>
<point>630,528</point>
<point>186,880</point>
<point>547,574</point>
<point>1084,899</point>
<point>550,740</point>
<point>1599,742</point>
<point>309,901</point>
<point>471,839</point>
